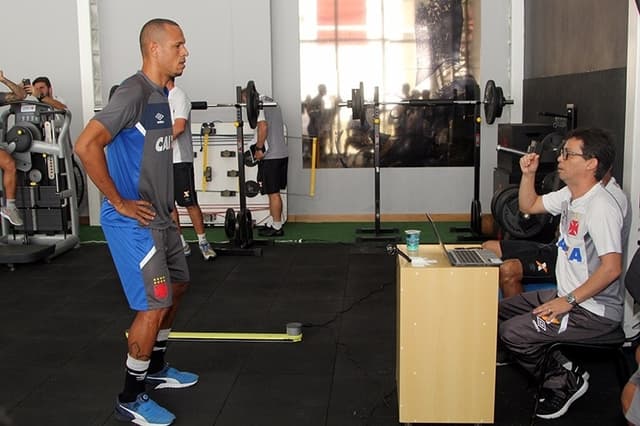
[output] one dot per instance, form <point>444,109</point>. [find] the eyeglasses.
<point>565,154</point>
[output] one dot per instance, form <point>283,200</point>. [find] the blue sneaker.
<point>143,411</point>
<point>169,377</point>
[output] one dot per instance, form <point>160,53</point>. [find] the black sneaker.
<point>556,403</point>
<point>268,231</point>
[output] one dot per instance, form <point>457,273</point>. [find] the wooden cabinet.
<point>446,340</point>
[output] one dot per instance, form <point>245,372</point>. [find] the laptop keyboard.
<point>467,256</point>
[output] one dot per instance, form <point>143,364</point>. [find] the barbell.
<point>493,101</point>
<point>252,103</point>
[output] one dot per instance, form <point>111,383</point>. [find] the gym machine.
<point>46,187</point>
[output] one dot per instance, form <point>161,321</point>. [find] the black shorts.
<point>538,260</point>
<point>272,175</point>
<point>184,186</point>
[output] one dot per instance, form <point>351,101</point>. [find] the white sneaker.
<point>186,248</point>
<point>12,215</point>
<point>207,251</point>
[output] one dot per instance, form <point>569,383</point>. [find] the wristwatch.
<point>571,299</point>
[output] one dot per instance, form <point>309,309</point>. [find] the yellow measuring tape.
<point>293,335</point>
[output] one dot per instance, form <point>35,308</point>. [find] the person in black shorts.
<point>183,181</point>
<point>524,262</point>
<point>272,154</point>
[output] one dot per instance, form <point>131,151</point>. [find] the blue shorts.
<point>148,261</point>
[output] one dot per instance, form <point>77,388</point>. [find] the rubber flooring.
<point>62,344</point>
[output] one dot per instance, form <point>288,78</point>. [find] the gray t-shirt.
<point>276,142</point>
<point>139,157</point>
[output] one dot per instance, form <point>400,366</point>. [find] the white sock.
<point>202,238</point>
<point>276,225</point>
<point>11,202</point>
<point>137,368</point>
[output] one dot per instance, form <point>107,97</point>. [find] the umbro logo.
<point>159,118</point>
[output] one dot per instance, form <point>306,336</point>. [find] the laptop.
<point>466,256</point>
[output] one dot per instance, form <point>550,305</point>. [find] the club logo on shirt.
<point>159,118</point>
<point>573,227</point>
<point>163,143</point>
<point>160,288</point>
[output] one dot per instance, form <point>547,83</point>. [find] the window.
<point>409,50</point>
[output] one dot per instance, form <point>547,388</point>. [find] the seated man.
<point>41,89</point>
<point>528,262</point>
<point>588,303</point>
<point>7,163</point>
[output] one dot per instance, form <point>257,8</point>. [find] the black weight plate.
<point>249,159</point>
<point>230,223</point>
<point>490,101</point>
<point>499,197</point>
<point>513,222</point>
<point>252,188</point>
<point>356,104</point>
<point>253,104</point>
<point>245,229</point>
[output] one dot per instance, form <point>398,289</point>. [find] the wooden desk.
<point>446,340</point>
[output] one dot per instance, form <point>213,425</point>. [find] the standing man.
<point>7,163</point>
<point>588,303</point>
<point>136,179</point>
<point>183,181</point>
<point>272,154</point>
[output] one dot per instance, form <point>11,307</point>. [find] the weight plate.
<point>252,188</point>
<point>490,102</point>
<point>356,104</point>
<point>245,229</point>
<point>230,223</point>
<point>253,104</point>
<point>512,221</point>
<point>249,159</point>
